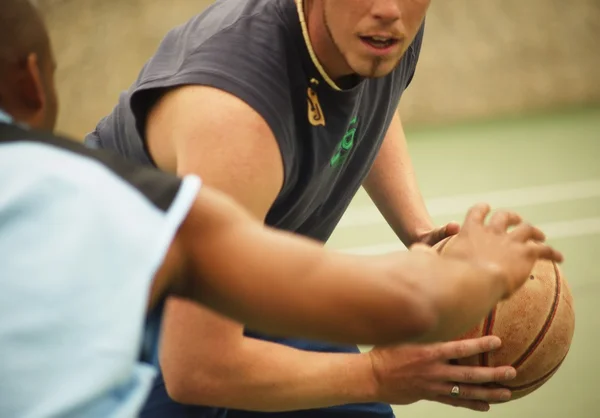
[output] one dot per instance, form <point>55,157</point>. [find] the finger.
<point>545,252</point>
<point>444,232</point>
<point>473,375</point>
<point>471,392</point>
<point>526,232</point>
<point>463,403</point>
<point>452,228</point>
<point>477,214</point>
<point>501,220</point>
<point>437,236</point>
<point>467,348</point>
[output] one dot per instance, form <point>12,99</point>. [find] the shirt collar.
<point>313,56</point>
<point>5,117</point>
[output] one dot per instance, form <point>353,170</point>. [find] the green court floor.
<point>547,167</point>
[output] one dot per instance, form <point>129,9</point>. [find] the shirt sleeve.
<point>247,60</point>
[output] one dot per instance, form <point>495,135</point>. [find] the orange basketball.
<point>536,325</point>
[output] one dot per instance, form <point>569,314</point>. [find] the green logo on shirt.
<point>345,145</point>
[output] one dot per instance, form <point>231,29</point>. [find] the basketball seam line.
<point>539,380</point>
<point>538,339</point>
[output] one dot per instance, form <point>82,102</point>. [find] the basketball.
<point>536,325</point>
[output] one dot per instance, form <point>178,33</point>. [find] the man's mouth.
<point>379,42</point>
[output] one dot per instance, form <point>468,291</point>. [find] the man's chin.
<point>373,70</point>
<point>379,73</point>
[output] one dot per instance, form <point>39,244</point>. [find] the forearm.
<point>206,360</point>
<point>324,295</point>
<point>283,284</point>
<point>392,185</point>
<point>269,377</point>
<point>409,296</point>
<point>249,374</point>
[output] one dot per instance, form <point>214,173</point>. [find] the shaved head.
<point>26,65</point>
<point>22,31</point>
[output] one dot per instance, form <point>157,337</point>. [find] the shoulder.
<point>241,16</point>
<point>224,28</point>
<point>244,48</point>
<point>99,219</point>
<point>38,162</point>
<point>233,45</point>
<point>259,32</point>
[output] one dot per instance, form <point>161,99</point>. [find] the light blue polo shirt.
<point>79,247</point>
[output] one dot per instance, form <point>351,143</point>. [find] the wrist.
<point>499,279</point>
<point>364,388</point>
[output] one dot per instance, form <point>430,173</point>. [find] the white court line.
<point>459,204</point>
<point>563,229</point>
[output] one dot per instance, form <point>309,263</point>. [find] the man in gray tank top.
<point>289,106</point>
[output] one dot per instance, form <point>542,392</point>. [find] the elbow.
<point>178,393</point>
<point>180,389</point>
<point>191,386</point>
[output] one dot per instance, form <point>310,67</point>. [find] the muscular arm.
<point>393,187</point>
<point>323,295</point>
<point>205,357</point>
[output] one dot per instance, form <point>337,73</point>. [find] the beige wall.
<point>480,58</point>
<point>489,57</point>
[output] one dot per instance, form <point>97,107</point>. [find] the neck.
<point>326,56</point>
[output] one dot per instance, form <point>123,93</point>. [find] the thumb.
<point>452,228</point>
<point>444,232</point>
